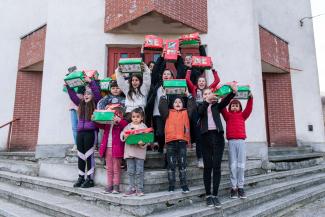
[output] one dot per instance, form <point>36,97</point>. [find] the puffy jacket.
<point>235,121</point>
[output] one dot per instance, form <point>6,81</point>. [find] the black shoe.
<point>185,189</point>
<point>88,183</point>
<point>216,202</point>
<point>241,193</point>
<point>171,188</point>
<point>233,193</point>
<point>79,182</point>
<point>210,201</point>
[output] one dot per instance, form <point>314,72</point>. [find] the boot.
<point>79,182</point>
<point>88,183</point>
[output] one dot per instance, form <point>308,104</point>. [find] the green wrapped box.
<point>75,89</point>
<point>190,44</point>
<point>130,65</point>
<point>134,139</point>
<point>242,91</point>
<point>75,79</point>
<point>103,116</point>
<point>105,84</point>
<point>223,90</point>
<point>175,86</point>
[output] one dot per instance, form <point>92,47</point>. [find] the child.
<point>135,155</point>
<point>213,141</point>
<point>135,89</point>
<point>112,148</point>
<point>236,134</point>
<point>115,96</point>
<point>177,136</point>
<point>87,132</point>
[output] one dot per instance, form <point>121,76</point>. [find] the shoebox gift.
<point>171,50</point>
<point>242,91</point>
<point>105,84</point>
<point>190,40</point>
<point>103,116</point>
<point>202,62</point>
<point>92,74</point>
<point>130,65</point>
<point>135,136</point>
<point>175,86</point>
<point>152,42</point>
<point>75,79</point>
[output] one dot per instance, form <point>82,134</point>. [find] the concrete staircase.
<point>271,194</point>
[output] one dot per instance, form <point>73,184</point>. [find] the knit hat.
<point>88,90</point>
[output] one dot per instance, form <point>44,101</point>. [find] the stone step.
<point>48,203</point>
<point>10,209</point>
<point>285,204</point>
<point>17,166</point>
<point>287,165</point>
<point>23,156</point>
<point>255,197</point>
<point>289,150</point>
<point>151,202</point>
<point>155,179</point>
<point>295,157</point>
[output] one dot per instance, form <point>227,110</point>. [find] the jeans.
<point>74,124</point>
<point>212,150</point>
<point>135,168</point>
<point>237,160</point>
<point>176,153</point>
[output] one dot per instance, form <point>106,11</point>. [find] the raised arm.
<point>180,67</point>
<point>225,101</point>
<point>96,90</point>
<point>163,107</point>
<point>216,79</point>
<point>202,51</point>
<point>249,107</point>
<point>146,80</point>
<point>190,85</point>
<point>158,70</point>
<point>191,105</point>
<point>121,82</point>
<point>73,96</point>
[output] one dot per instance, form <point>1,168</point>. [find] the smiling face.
<point>135,82</point>
<point>136,118</point>
<point>188,61</point>
<point>235,107</point>
<point>88,96</point>
<point>178,104</point>
<point>167,75</point>
<point>201,83</point>
<point>116,91</point>
<point>207,93</point>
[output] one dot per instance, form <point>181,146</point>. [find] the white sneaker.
<point>200,163</point>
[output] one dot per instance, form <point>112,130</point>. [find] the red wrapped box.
<point>202,62</point>
<point>152,42</point>
<point>91,73</point>
<point>171,50</point>
<point>190,40</point>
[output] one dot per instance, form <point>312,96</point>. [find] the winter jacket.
<point>235,121</point>
<point>138,100</point>
<point>110,99</point>
<point>216,109</point>
<point>117,144</point>
<point>177,125</point>
<point>85,125</point>
<point>194,88</point>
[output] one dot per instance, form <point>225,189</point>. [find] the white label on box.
<point>241,95</point>
<point>77,82</point>
<point>131,68</point>
<point>104,85</point>
<point>175,90</point>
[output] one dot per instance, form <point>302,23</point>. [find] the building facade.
<point>257,42</point>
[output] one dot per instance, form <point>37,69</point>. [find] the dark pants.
<point>196,135</point>
<point>176,153</point>
<point>86,140</point>
<point>212,150</point>
<point>159,127</point>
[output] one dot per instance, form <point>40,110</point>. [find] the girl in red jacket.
<point>235,132</point>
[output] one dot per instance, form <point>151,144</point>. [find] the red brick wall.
<point>274,50</point>
<point>28,92</point>
<point>190,12</point>
<point>280,114</point>
<point>32,48</point>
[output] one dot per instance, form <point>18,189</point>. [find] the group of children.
<point>178,121</point>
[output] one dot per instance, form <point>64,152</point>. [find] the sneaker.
<point>171,188</point>
<point>140,193</point>
<point>129,193</point>
<point>79,182</point>
<point>88,183</point>
<point>200,163</point>
<point>210,201</point>
<point>185,189</point>
<point>116,189</point>
<point>233,193</point>
<point>241,193</point>
<point>216,202</point>
<point>108,190</point>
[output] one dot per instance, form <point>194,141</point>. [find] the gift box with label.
<point>75,79</point>
<point>202,62</point>
<point>105,84</point>
<point>92,74</point>
<point>190,40</point>
<point>103,116</point>
<point>171,50</point>
<point>242,91</point>
<point>130,65</point>
<point>175,86</point>
<point>135,136</point>
<point>152,42</point>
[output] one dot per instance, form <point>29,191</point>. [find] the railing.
<point>9,131</point>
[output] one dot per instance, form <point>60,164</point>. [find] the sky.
<point>318,7</point>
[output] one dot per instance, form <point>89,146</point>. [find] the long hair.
<point>86,109</point>
<point>133,90</point>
